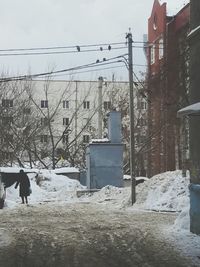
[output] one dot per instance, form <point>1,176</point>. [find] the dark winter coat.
<point>24,185</point>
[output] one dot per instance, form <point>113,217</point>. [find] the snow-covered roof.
<point>16,169</point>
<point>128,177</point>
<point>193,31</point>
<point>189,110</point>
<point>102,140</point>
<point>66,170</point>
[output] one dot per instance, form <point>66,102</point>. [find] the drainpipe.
<point>100,116</point>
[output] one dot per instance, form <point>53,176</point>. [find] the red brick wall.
<point>163,84</point>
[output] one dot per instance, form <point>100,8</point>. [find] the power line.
<point>60,47</point>
<point>99,63</point>
<point>74,46</point>
<point>77,49</point>
<point>72,51</point>
<point>91,70</point>
<point>59,52</point>
<point>94,70</point>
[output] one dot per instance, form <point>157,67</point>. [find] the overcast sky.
<point>47,23</point>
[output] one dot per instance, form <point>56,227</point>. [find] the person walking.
<point>24,186</point>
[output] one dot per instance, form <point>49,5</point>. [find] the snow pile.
<point>12,194</point>
<point>111,194</point>
<point>164,192</point>
<point>48,162</point>
<point>53,182</point>
<point>51,187</point>
<point>183,220</point>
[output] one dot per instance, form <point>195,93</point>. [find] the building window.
<point>86,104</point>
<point>161,48</point>
<point>152,54</point>
<point>7,139</point>
<point>140,139</point>
<point>65,139</point>
<point>142,122</point>
<point>86,138</point>
<point>43,138</point>
<point>155,21</point>
<point>65,104</point>
<point>27,111</point>
<point>7,155</point>
<point>44,121</point>
<point>142,105</point>
<point>7,103</point>
<point>44,103</point>
<point>107,105</point>
<point>7,121</point>
<point>65,121</point>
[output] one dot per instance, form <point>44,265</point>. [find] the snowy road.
<point>86,235</point>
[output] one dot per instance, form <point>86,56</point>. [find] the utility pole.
<point>131,108</point>
<point>76,115</point>
<point>100,117</point>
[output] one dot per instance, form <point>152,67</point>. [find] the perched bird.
<point>101,48</point>
<point>97,61</point>
<point>109,47</point>
<point>104,59</point>
<point>78,48</point>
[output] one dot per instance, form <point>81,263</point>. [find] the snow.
<point>16,169</point>
<point>194,30</point>
<point>192,109</point>
<point>52,187</point>
<point>66,170</point>
<point>128,177</point>
<point>102,140</point>
<point>165,192</point>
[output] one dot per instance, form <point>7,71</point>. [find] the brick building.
<point>168,85</point>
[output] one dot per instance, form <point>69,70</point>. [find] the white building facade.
<point>58,118</point>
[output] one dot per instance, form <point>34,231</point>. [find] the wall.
<point>165,87</point>
<point>105,165</point>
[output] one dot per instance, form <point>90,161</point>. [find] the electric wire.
<point>74,46</point>
<point>99,63</point>
<point>61,47</point>
<point>77,49</point>
<point>86,71</point>
<point>59,52</point>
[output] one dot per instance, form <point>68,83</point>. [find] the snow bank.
<point>183,220</point>
<point>51,188</point>
<point>164,192</point>
<point>111,194</point>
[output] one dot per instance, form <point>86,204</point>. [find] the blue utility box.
<point>104,158</point>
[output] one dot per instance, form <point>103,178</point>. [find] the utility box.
<point>104,158</point>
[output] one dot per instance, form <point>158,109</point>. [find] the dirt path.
<point>84,235</point>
